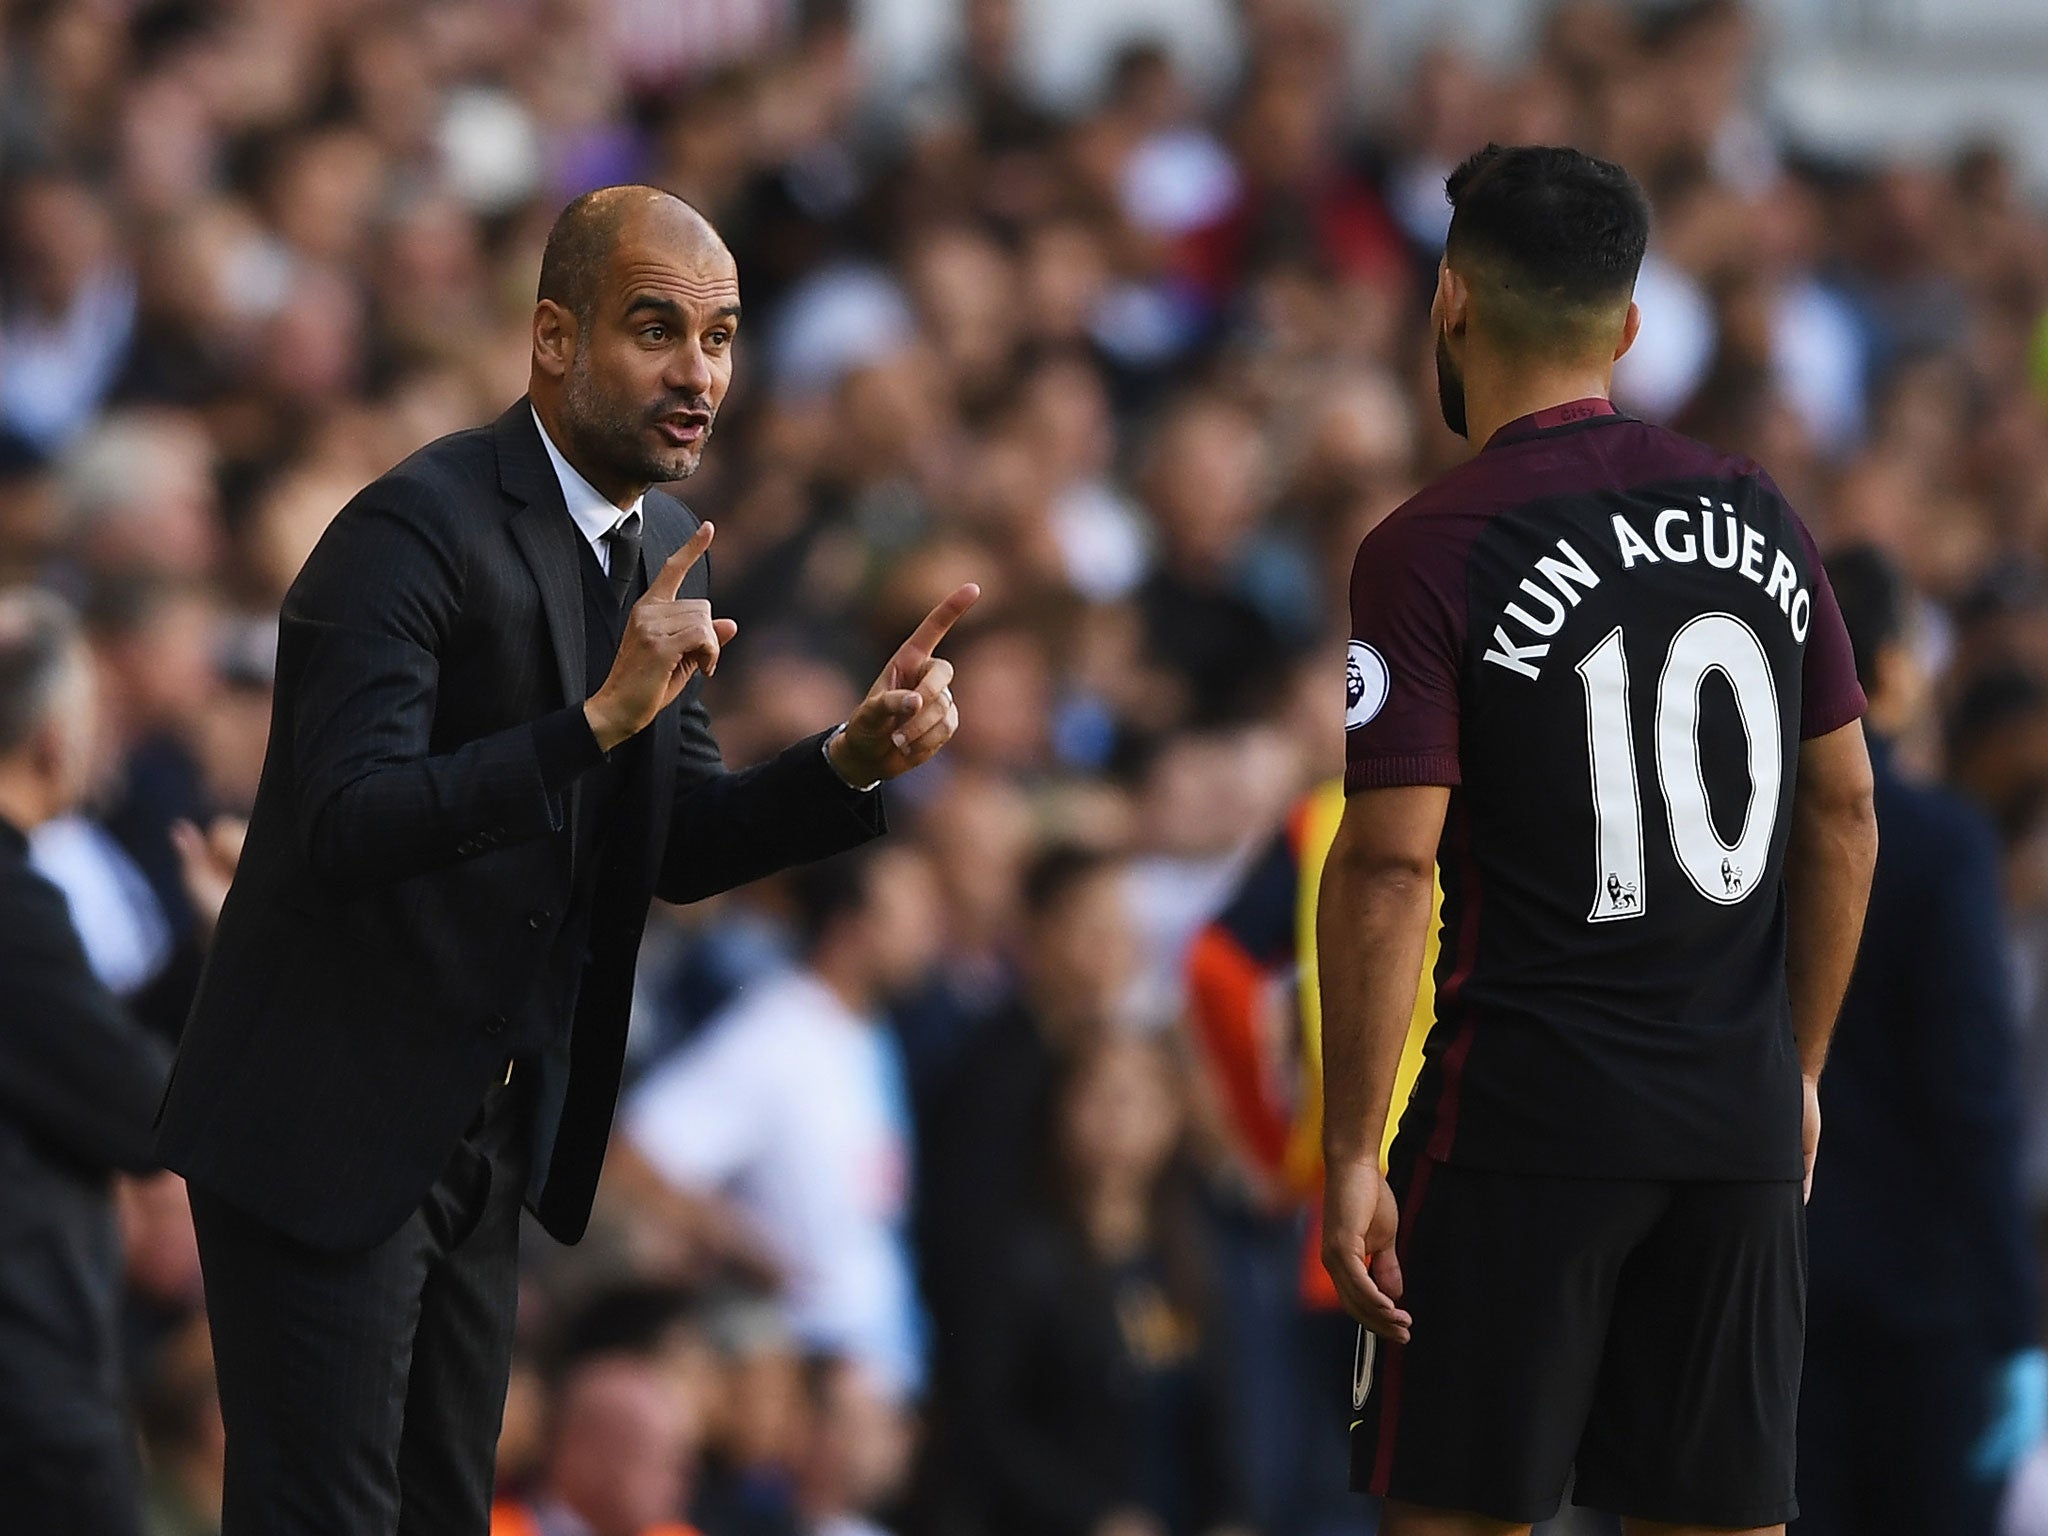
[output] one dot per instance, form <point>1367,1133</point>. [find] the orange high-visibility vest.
<point>510,1519</point>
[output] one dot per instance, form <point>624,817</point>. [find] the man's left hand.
<point>909,712</point>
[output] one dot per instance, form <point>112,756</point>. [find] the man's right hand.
<point>668,641</point>
<point>1360,1222</point>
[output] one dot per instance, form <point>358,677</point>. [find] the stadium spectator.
<point>792,1106</point>
<point>1096,1400</point>
<point>619,1449</point>
<point>857,1451</point>
<point>1925,1383</point>
<point>79,1084</point>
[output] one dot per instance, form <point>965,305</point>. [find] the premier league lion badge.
<point>1365,684</point>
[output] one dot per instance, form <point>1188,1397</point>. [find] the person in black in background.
<point>79,1084</point>
<point>1925,1382</point>
<point>1096,1398</point>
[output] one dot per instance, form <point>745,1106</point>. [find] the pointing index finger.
<point>669,579</point>
<point>925,639</point>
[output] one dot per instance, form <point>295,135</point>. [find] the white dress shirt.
<point>593,515</point>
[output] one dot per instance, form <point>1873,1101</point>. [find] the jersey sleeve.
<point>1829,694</point>
<point>1407,651</point>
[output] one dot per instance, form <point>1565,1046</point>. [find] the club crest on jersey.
<point>1366,684</point>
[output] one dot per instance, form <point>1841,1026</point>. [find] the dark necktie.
<point>624,544</point>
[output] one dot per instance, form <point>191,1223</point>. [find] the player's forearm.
<point>1828,866</point>
<point>1372,920</point>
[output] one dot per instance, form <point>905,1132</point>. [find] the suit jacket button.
<point>495,1024</point>
<point>537,920</point>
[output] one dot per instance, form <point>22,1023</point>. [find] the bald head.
<point>633,330</point>
<point>591,230</point>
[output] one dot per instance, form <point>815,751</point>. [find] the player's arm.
<point>1372,921</point>
<point>1828,865</point>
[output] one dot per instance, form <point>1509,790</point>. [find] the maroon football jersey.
<point>1610,640</point>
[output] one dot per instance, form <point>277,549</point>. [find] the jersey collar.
<point>1573,414</point>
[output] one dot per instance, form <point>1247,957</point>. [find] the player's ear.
<point>1631,323</point>
<point>554,338</point>
<point>1448,306</point>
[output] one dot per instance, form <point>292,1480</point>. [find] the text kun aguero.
<point>1681,536</point>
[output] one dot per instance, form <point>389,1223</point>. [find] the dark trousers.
<point>1886,1423</point>
<point>70,1490</point>
<point>362,1392</point>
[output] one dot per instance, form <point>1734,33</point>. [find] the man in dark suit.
<point>488,753</point>
<point>1924,1380</point>
<point>79,1080</point>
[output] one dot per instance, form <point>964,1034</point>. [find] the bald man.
<point>488,753</point>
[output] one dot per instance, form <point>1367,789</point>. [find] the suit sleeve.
<point>74,1067</point>
<point>363,628</point>
<point>726,829</point>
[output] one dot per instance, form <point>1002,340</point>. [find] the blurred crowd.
<point>928,1211</point>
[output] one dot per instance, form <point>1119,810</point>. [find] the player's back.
<point>1611,640</point>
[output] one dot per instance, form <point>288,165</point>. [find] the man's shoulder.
<point>1644,452</point>
<point>1626,455</point>
<point>461,461</point>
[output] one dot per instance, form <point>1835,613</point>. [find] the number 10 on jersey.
<point>1725,873</point>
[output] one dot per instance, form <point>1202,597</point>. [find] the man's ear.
<point>554,338</point>
<point>1631,323</point>
<point>1452,306</point>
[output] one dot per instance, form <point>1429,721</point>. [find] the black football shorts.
<point>1647,1334</point>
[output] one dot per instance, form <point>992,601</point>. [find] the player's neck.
<point>1492,400</point>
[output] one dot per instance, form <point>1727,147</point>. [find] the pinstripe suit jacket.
<point>409,855</point>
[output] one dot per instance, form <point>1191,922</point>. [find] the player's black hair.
<point>633,1317</point>
<point>1993,700</point>
<point>1057,873</point>
<point>1551,237</point>
<point>1875,601</point>
<point>822,894</point>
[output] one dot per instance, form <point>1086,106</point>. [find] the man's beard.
<point>609,430</point>
<point>1450,387</point>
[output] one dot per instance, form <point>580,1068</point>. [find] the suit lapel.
<point>547,541</point>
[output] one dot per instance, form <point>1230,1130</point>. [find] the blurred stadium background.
<point>1115,306</point>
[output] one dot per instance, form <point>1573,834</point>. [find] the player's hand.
<point>909,712</point>
<point>1360,1222</point>
<point>668,641</point>
<point>1809,1134</point>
